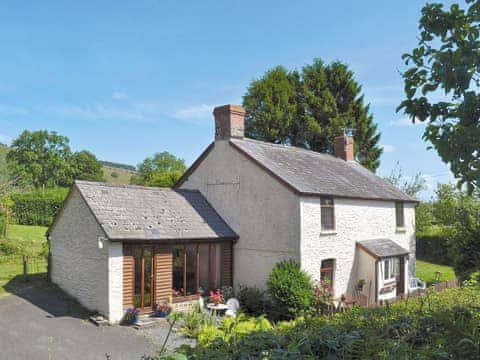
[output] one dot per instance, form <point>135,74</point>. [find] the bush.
<point>252,300</point>
<point>290,289</point>
<point>432,246</point>
<point>38,207</point>
<point>438,326</point>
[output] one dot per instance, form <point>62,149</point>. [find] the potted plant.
<point>360,284</point>
<point>163,310</point>
<point>216,297</point>
<point>131,316</point>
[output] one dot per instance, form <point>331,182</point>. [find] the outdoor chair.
<point>233,306</point>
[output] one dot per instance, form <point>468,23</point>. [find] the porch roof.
<point>382,248</point>
<point>139,213</point>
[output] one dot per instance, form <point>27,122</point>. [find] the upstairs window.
<point>326,271</point>
<point>327,214</point>
<point>399,214</point>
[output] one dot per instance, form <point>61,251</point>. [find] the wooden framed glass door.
<point>144,277</point>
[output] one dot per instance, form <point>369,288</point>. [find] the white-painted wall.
<point>115,281</point>
<point>259,208</point>
<point>356,220</point>
<point>90,273</point>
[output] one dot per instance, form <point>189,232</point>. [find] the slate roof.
<point>150,213</point>
<point>312,173</point>
<point>382,248</point>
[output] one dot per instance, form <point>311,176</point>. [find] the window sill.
<point>389,282</point>
<point>328,232</point>
<point>400,230</point>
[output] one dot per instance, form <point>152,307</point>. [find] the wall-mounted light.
<point>101,240</point>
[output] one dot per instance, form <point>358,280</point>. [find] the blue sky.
<point>125,79</point>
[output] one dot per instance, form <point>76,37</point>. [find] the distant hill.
<point>116,173</point>
<point>119,165</point>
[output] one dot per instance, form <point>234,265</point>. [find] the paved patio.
<point>42,323</point>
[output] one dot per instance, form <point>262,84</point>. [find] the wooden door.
<point>144,274</point>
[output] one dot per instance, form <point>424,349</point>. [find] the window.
<point>399,214</point>
<point>388,269</point>
<point>327,214</point>
<point>326,271</point>
<point>184,272</point>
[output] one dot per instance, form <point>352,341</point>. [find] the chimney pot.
<point>343,147</point>
<point>229,122</point>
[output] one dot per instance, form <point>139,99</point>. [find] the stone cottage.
<point>243,206</point>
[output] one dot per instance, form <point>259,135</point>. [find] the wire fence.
<point>11,265</point>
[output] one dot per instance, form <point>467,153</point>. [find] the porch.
<point>177,273</point>
<point>383,268</point>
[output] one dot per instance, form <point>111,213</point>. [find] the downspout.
<point>376,281</point>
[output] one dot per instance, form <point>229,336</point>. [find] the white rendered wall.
<point>115,281</point>
<point>356,220</point>
<point>261,210</point>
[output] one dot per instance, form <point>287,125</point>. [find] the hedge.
<point>38,207</point>
<point>432,246</point>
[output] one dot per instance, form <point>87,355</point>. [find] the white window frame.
<point>389,269</point>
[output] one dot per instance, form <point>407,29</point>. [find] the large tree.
<point>85,166</point>
<point>309,108</point>
<point>40,158</point>
<point>442,86</point>
<point>163,169</point>
<point>44,159</point>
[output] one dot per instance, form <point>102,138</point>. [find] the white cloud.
<point>405,122</point>
<point>92,112</point>
<point>118,95</point>
<point>9,110</point>
<point>195,112</point>
<point>388,148</point>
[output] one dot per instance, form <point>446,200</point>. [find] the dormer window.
<point>327,214</point>
<point>399,214</point>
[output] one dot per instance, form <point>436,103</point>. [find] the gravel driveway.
<point>42,323</point>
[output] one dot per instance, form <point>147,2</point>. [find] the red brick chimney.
<point>229,122</point>
<point>343,147</point>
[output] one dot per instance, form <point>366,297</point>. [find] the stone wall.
<point>78,265</point>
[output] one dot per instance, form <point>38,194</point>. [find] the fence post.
<point>25,270</point>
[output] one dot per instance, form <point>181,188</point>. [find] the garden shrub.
<point>438,326</point>
<point>290,289</point>
<point>38,207</point>
<point>432,246</point>
<point>252,300</point>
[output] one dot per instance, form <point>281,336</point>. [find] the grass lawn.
<point>21,240</point>
<point>426,271</point>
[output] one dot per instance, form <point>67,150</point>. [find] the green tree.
<point>270,107</point>
<point>85,166</point>
<point>464,238</point>
<point>40,158</point>
<point>3,163</point>
<point>311,107</point>
<point>163,169</point>
<point>441,86</point>
<point>409,185</point>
